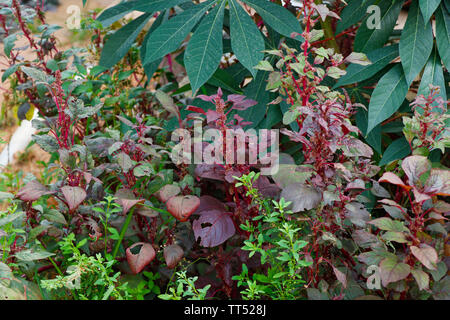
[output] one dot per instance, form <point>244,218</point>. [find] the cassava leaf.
<point>379,58</point>
<point>167,37</point>
<point>118,44</point>
<point>353,13</point>
<point>387,97</point>
<point>443,34</point>
<point>398,149</point>
<point>246,39</point>
<point>428,7</point>
<point>368,39</point>
<point>280,19</point>
<point>205,48</point>
<point>416,43</point>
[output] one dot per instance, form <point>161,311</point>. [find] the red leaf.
<point>74,196</point>
<point>126,199</point>
<point>213,227</point>
<point>181,207</point>
<point>138,260</point>
<point>32,191</point>
<point>173,254</point>
<point>392,178</point>
<point>195,109</point>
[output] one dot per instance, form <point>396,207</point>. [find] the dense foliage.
<point>357,209</point>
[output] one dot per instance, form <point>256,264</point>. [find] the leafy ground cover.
<point>356,209</point>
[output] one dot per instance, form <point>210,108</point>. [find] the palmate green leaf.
<point>151,67</point>
<point>117,45</point>
<point>416,43</point>
<point>443,34</point>
<point>353,13</point>
<point>379,58</point>
<point>396,150</point>
<point>366,39</point>
<point>433,74</point>
<point>205,49</point>
<point>246,39</point>
<point>387,97</point>
<point>428,7</point>
<point>168,36</point>
<point>280,19</point>
<point>113,14</point>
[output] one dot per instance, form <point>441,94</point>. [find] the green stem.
<point>122,233</point>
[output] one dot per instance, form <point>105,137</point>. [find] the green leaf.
<point>388,224</point>
<point>113,14</point>
<point>280,19</point>
<point>387,97</point>
<point>353,13</point>
<point>36,74</point>
<point>256,90</point>
<point>205,49</point>
<point>374,136</point>
<point>416,43</point>
<point>396,150</point>
<point>367,39</point>
<point>168,36</point>
<point>433,74</point>
<point>443,34</point>
<point>9,72</point>
<point>391,270</point>
<point>8,43</point>
<point>379,58</point>
<point>428,7</point>
<point>29,255</point>
<point>422,278</point>
<point>46,142</point>
<point>151,67</point>
<point>117,45</point>
<point>394,236</point>
<point>246,39</point>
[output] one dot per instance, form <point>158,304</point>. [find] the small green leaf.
<point>8,43</point>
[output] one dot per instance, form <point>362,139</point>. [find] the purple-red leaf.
<point>173,254</point>
<point>213,227</point>
<point>126,198</point>
<point>74,196</point>
<point>181,207</point>
<point>32,191</point>
<point>426,255</point>
<point>139,255</point>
